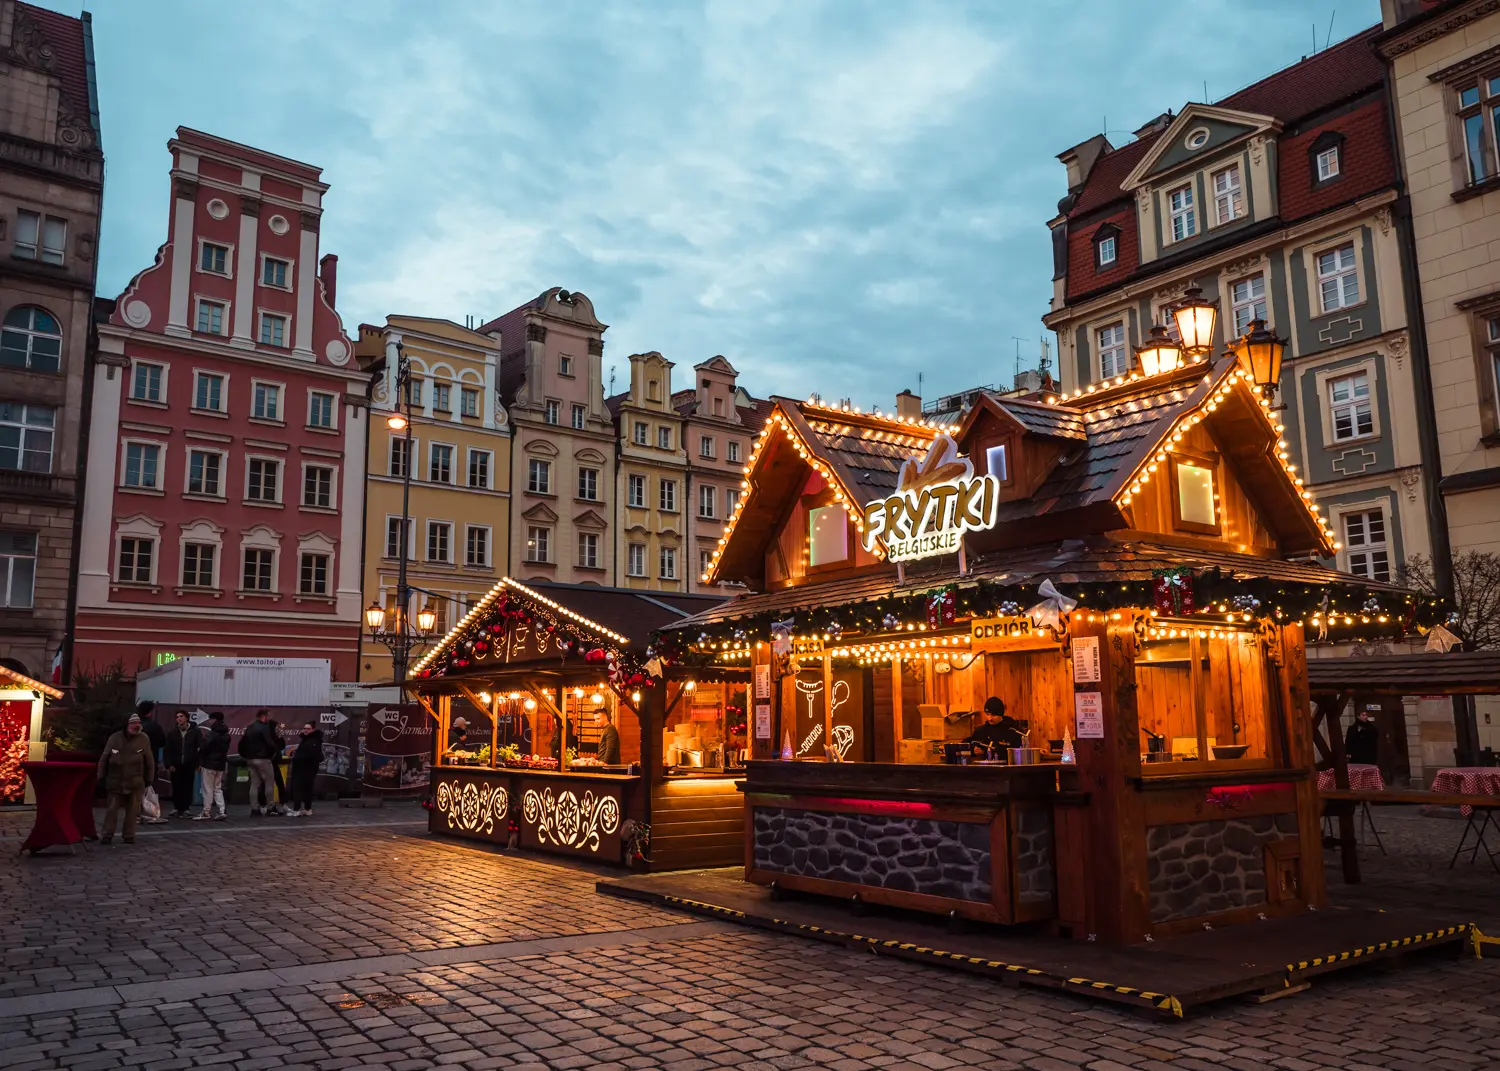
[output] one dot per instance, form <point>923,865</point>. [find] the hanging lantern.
<point>1195,319</point>
<point>1159,354</point>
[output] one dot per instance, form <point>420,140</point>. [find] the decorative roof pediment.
<point>540,512</point>
<point>590,455</point>
<point>541,446</point>
<point>1199,132</point>
<point>589,519</point>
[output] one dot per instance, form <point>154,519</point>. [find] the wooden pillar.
<point>1295,712</point>
<point>494,726</point>
<point>762,749</point>
<point>828,705</point>
<point>896,710</point>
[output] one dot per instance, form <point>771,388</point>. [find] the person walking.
<point>126,767</point>
<point>278,753</point>
<point>305,762</point>
<point>180,757</point>
<point>213,756</point>
<point>256,747</point>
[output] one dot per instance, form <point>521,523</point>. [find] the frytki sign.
<point>935,503</point>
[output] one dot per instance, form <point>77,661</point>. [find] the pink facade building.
<point>225,480</point>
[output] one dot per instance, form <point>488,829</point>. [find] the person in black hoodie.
<point>1362,741</point>
<point>213,756</point>
<point>181,759</point>
<point>305,762</point>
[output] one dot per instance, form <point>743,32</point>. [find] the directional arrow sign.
<point>333,717</point>
<point>386,714</point>
<point>199,716</point>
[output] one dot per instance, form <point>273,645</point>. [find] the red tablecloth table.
<point>1472,781</point>
<point>1363,777</point>
<point>64,803</point>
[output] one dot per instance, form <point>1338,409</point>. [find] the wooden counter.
<point>975,840</point>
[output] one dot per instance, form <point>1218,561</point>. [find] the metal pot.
<point>1024,756</point>
<point>690,758</point>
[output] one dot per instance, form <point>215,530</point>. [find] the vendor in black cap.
<point>998,732</point>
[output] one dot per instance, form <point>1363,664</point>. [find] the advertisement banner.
<point>397,748</point>
<point>340,737</point>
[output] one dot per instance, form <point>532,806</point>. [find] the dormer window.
<point>1195,500</point>
<point>1229,201</point>
<point>1106,246</point>
<point>1328,164</point>
<point>827,536</point>
<point>1184,217</point>
<point>996,463</point>
<point>1326,157</point>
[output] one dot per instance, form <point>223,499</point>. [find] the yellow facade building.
<point>652,544</point>
<point>459,512</point>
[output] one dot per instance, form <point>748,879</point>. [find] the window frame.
<point>579,416</point>
<point>444,529</point>
<point>1123,347</point>
<point>634,481</point>
<point>641,433</point>
<point>709,494</point>
<point>595,474</point>
<point>308,468</point>
<point>1235,195</point>
<point>1325,376</point>
<point>664,437</point>
<point>24,432</point>
<point>1334,248</point>
<point>1187,212</point>
<point>215,551</point>
<point>435,448</point>
<point>1368,549</point>
<point>8,558</point>
<point>465,396</point>
<point>203,246</point>
<point>256,386</point>
<point>666,495</point>
<point>706,447</point>
<point>635,560</point>
<point>473,453</point>
<point>1204,460</point>
<point>313,395</point>
<point>135,538</point>
<point>31,333</point>
<point>552,413</point>
<point>266,317</point>
<point>732,451</point>
<point>200,374</point>
<point>393,520</point>
<point>163,370</point>
<point>538,536</point>
<point>814,505</point>
<point>225,321</point>
<point>1249,303</point>
<point>303,591</point>
<point>538,476</point>
<point>591,540</point>
<point>664,554</point>
<point>222,471</point>
<point>266,259</point>
<point>158,486</point>
<point>398,443</point>
<point>488,532</point>
<point>280,478</point>
<point>1333,407</point>
<point>442,396</point>
<point>248,549</point>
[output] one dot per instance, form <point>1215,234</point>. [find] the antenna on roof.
<point>1315,41</point>
<point>1018,340</point>
<point>1328,37</point>
<point>1205,91</point>
<point>1045,363</point>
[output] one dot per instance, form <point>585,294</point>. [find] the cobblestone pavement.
<point>568,979</point>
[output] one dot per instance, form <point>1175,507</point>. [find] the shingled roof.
<point>62,46</point>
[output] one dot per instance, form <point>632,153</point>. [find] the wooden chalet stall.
<point>536,671</point>
<point>1119,569</point>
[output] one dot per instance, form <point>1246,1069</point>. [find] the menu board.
<point>1088,708</point>
<point>1086,660</point>
<point>811,704</point>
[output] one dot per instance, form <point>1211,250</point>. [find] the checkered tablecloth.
<point>1362,777</point>
<point>1468,781</point>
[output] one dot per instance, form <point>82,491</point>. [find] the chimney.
<point>909,405</point>
<point>328,271</point>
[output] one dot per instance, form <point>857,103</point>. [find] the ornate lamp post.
<point>1261,353</point>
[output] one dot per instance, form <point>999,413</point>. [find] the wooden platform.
<point>1167,977</point>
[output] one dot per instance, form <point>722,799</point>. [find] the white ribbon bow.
<point>1048,613</point>
<point>781,635</point>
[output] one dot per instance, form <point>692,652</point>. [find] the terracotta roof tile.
<point>69,58</point>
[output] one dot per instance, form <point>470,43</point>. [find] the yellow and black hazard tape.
<point>1164,1002</point>
<point>1383,946</point>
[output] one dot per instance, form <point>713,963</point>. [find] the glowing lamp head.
<point>530,704</point>
<point>1260,353</point>
<point>1159,354</point>
<point>1195,319</point>
<point>396,421</point>
<point>597,699</point>
<point>427,618</point>
<point>374,616</point>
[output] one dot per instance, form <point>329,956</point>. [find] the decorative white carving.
<point>1143,199</point>
<point>137,313</point>
<point>502,418</point>
<point>1383,218</point>
<point>1257,149</point>
<point>569,822</point>
<point>473,808</point>
<point>1399,347</point>
<point>337,351</point>
<point>217,208</point>
<point>1409,480</point>
<point>278,225</point>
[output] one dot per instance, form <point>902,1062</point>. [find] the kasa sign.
<point>935,503</point>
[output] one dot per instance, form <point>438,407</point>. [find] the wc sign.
<point>935,503</point>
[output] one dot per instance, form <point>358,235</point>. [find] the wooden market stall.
<point>1130,571</point>
<point>538,672</point>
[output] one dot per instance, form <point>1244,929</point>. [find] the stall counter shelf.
<point>582,814</point>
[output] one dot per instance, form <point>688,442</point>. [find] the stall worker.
<point>458,734</point>
<point>609,738</point>
<point>999,731</point>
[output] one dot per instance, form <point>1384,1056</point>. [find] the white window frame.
<point>1366,551</point>
<point>666,559</point>
<point>582,538</point>
<point>1329,164</point>
<point>192,539</point>
<point>275,552</point>
<point>1120,348</point>
<point>489,469</point>
<point>187,473</point>
<point>1323,377</point>
<point>20,248</point>
<point>392,449</point>
<point>545,543</point>
<point>333,409</point>
<point>280,464</point>
<point>442,396</point>
<point>333,487</point>
<point>1187,212</point>
<point>228,247</point>
<point>580,416</point>
<point>8,559</point>
<point>666,495</point>
<point>732,451</point>
<point>225,321</point>
<point>432,447</point>
<point>641,433</point>
<point>552,413</point>
<point>1338,276</point>
<point>664,438</point>
<point>1353,406</point>
<point>634,482</point>
<point>161,464</point>
<point>1106,251</point>
<point>291,267</point>
<point>465,396</point>
<point>411,543</point>
<point>706,446</point>
<point>280,418</point>
<point>731,502</point>
<point>24,429</point>
<point>635,560</point>
<point>432,528</point>
<point>161,399</point>
<point>489,543</point>
<point>705,559</point>
<point>565,365</point>
<point>1249,304</point>
<point>155,543</point>
<point>596,473</point>
<point>1229,202</point>
<point>303,553</point>
<point>708,495</point>
<point>538,467</point>
<point>265,316</point>
<point>223,378</point>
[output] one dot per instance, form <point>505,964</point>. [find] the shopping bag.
<point>150,805</point>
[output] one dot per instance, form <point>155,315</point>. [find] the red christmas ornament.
<point>481,647</point>
<point>596,655</point>
<point>1172,591</point>
<point>497,630</point>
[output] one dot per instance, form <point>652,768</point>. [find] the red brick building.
<point>223,511</point>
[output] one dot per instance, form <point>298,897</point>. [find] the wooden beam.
<point>828,706</point>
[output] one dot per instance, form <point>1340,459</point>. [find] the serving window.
<point>1202,699</point>
<point>706,727</point>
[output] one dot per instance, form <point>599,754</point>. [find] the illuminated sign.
<point>935,503</point>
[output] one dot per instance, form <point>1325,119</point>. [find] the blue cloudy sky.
<point>836,196</point>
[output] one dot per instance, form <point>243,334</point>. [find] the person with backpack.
<point>213,756</point>
<point>256,747</point>
<point>305,762</point>
<point>180,757</point>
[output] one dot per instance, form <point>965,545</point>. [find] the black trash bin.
<point>236,782</point>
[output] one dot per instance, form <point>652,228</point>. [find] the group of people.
<point>195,758</point>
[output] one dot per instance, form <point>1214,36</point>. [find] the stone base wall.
<point>950,859</point>
<point>1035,874</point>
<point>1204,868</point>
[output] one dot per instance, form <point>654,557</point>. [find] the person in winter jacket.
<point>256,748</point>
<point>213,755</point>
<point>180,758</point>
<point>126,767</point>
<point>278,753</point>
<point>305,762</point>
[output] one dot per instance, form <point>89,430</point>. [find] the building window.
<point>1113,360</point>
<point>1247,299</point>
<point>141,465</point>
<point>995,463</point>
<point>635,559</point>
<point>317,487</point>
<point>17,569</point>
<point>1327,163</point>
<point>26,437</point>
<point>588,485</point>
<point>731,501</point>
<point>564,365</point>
<point>641,434</point>
<point>198,565</point>
<point>1229,200</point>
<point>442,397</point>
<point>579,413</point>
<point>258,574</point>
<point>439,463</point>
<point>204,473</point>
<point>479,469</point>
<point>1104,251</point>
<point>400,447</point>
<point>439,541</point>
<point>552,411</point>
<point>272,329</point>
<point>1180,208</point>
<point>667,500</point>
<point>1349,407</point>
<point>264,476</point>
<point>653,391</point>
<point>214,258</point>
<point>211,317</point>
<point>31,338</point>
<point>208,392</point>
<point>706,501</point>
<point>1492,359</point>
<point>636,491</point>
<point>732,452</point>
<point>1365,545</point>
<point>827,535</point>
<point>1479,117</point>
<point>266,403</point>
<point>145,382</point>
<point>313,575</point>
<point>706,446</point>
<point>320,409</point>
<point>669,563</point>
<point>274,272</point>
<point>414,392</point>
<point>705,559</point>
<point>538,544</point>
<point>136,556</point>
<point>477,546</point>
<point>664,438</point>
<point>539,476</point>
<point>1338,278</point>
<point>34,233</point>
<point>1195,499</point>
<point>468,399</point>
<point>588,550</point>
<point>393,537</point>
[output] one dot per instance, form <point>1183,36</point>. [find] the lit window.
<point>1349,407</point>
<point>538,544</point>
<point>588,550</point>
<point>1328,164</point>
<point>1247,301</point>
<point>17,569</point>
<point>588,484</point>
<point>26,437</point>
<point>669,563</point>
<point>258,573</point>
<point>136,558</point>
<point>827,535</point>
<point>1365,545</point>
<point>204,473</point>
<point>1229,202</point>
<point>439,541</point>
<point>313,575</point>
<point>263,482</point>
<point>211,317</point>
<point>1112,357</point>
<point>539,476</point>
<point>274,271</point>
<point>208,392</point>
<point>265,402</point>
<point>31,338</point>
<point>214,258</point>
<point>636,491</point>
<point>477,546</point>
<point>439,463</point>
<point>1195,495</point>
<point>145,382</point>
<point>1338,278</point>
<point>272,330</point>
<point>198,565</point>
<point>141,465</point>
<point>317,487</point>
<point>635,559</point>
<point>1184,218</point>
<point>994,463</point>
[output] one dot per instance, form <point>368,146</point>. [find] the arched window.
<point>31,338</point>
